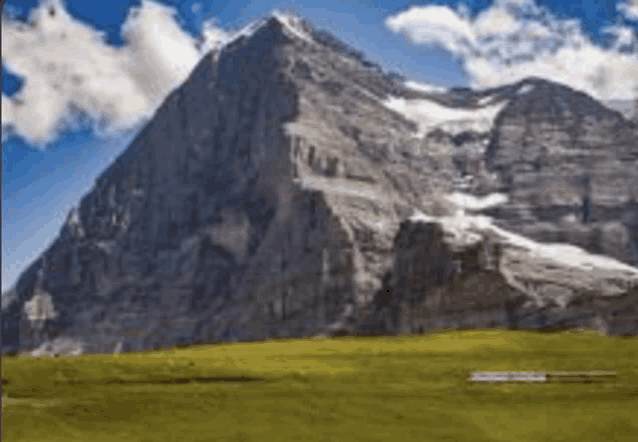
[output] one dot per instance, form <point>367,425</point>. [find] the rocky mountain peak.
<point>541,97</point>
<point>265,196</point>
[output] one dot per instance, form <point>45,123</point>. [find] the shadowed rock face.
<point>264,196</point>
<point>492,278</point>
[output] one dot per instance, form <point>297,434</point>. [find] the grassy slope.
<point>363,389</point>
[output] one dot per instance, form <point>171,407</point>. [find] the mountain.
<point>265,196</point>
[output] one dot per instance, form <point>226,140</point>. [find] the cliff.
<point>570,168</point>
<point>462,271</point>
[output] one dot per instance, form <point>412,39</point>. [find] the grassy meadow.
<point>405,388</point>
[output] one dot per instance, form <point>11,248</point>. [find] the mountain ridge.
<point>264,196</point>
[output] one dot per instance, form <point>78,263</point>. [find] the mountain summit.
<point>265,195</point>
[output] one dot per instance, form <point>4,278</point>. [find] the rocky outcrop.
<point>465,272</point>
<point>264,197</point>
<point>570,168</point>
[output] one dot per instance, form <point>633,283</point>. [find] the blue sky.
<point>67,131</point>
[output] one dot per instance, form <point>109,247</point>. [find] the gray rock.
<point>463,271</point>
<point>264,197</point>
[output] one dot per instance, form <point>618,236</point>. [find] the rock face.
<point>570,168</point>
<point>261,199</point>
<point>464,272</point>
<point>264,197</point>
<point>568,164</point>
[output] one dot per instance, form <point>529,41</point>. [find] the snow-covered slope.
<point>430,115</point>
<point>422,87</point>
<point>291,24</point>
<point>595,270</point>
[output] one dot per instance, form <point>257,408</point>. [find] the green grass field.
<point>406,388</point>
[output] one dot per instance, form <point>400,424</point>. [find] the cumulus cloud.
<point>629,9</point>
<point>7,111</point>
<point>213,36</point>
<point>433,25</point>
<point>69,70</point>
<point>496,21</point>
<point>514,39</point>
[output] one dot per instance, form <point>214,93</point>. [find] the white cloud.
<point>159,54</point>
<point>625,36</point>
<point>67,67</point>
<point>7,110</point>
<point>495,20</point>
<point>514,39</point>
<point>213,36</point>
<point>629,9</point>
<point>432,25</point>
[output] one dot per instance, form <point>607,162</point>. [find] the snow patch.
<point>245,32</point>
<point>469,229</point>
<point>376,225</point>
<point>332,185</point>
<point>569,255</point>
<point>139,193</point>
<point>423,87</point>
<point>483,101</point>
<point>459,225</point>
<point>470,202</point>
<point>40,307</point>
<point>293,25</point>
<point>106,246</point>
<point>290,23</point>
<point>74,217</point>
<point>570,219</point>
<point>60,345</point>
<point>525,89</point>
<point>430,115</point>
